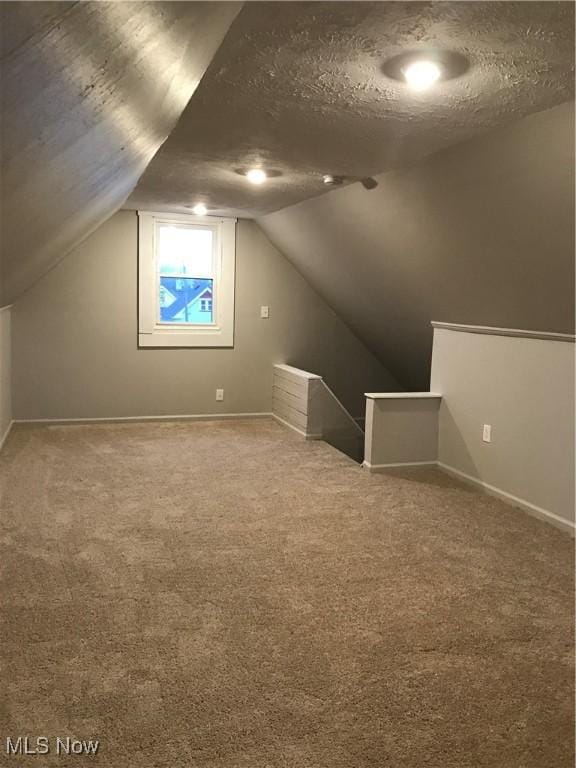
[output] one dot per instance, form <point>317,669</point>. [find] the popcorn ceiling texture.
<point>299,88</point>
<point>227,595</point>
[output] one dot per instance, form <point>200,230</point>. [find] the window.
<point>186,280</point>
<point>206,305</point>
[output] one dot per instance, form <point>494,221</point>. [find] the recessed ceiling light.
<point>200,209</point>
<point>422,74</point>
<point>420,69</point>
<point>331,180</point>
<point>256,176</point>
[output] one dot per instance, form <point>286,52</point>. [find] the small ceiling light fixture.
<point>256,176</point>
<point>421,75</point>
<point>331,180</point>
<point>200,209</point>
<point>422,68</point>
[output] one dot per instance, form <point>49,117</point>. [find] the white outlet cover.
<point>219,394</point>
<point>487,433</point>
<point>264,312</point>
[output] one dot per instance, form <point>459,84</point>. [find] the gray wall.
<point>523,388</point>
<point>75,339</point>
<point>401,431</point>
<point>5,373</point>
<point>481,233</point>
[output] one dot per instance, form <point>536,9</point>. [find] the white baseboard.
<point>5,435</point>
<point>527,506</point>
<point>509,498</point>
<point>124,419</point>
<point>307,435</point>
<point>378,467</point>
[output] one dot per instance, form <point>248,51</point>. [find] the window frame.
<point>152,332</point>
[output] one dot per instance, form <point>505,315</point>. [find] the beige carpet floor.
<point>225,595</point>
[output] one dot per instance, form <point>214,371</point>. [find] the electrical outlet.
<point>487,433</point>
<point>219,394</point>
<point>264,312</point>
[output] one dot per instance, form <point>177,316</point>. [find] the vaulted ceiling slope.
<point>481,233</point>
<point>90,90</point>
<point>299,88</point>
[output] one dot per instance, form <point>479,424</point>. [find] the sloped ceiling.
<point>90,90</point>
<point>481,233</point>
<point>298,87</point>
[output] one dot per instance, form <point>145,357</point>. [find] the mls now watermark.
<point>43,745</point>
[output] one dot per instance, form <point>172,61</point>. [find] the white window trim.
<point>153,333</point>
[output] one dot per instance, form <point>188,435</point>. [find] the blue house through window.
<point>186,300</point>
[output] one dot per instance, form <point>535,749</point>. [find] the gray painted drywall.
<point>523,388</point>
<point>75,338</point>
<point>401,431</point>
<point>89,93</point>
<point>5,372</point>
<point>481,233</point>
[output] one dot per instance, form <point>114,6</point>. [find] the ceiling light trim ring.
<point>451,64</point>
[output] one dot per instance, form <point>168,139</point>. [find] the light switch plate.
<point>264,312</point>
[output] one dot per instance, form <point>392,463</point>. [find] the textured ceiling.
<point>90,90</point>
<point>298,87</point>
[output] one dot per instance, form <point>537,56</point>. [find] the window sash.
<point>153,332</point>
<point>213,275</point>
